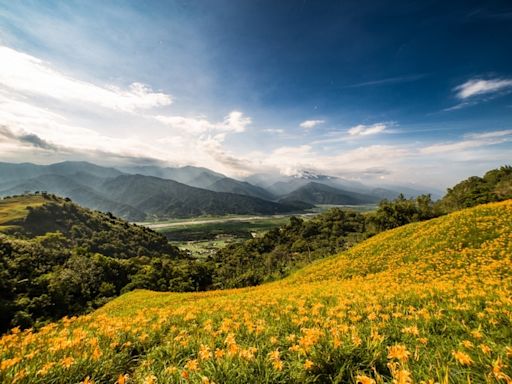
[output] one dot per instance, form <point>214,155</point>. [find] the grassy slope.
<point>428,301</point>
<point>14,209</point>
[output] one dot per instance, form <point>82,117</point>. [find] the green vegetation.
<point>284,249</point>
<point>495,185</point>
<point>240,228</point>
<point>59,259</point>
<point>14,209</point>
<point>429,302</point>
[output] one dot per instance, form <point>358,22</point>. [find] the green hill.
<point>495,185</point>
<point>57,259</point>
<point>424,303</point>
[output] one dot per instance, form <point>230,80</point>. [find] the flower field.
<point>429,302</point>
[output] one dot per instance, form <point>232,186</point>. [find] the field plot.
<point>203,235</point>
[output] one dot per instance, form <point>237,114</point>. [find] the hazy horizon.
<point>376,92</point>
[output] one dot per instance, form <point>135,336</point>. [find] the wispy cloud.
<point>233,122</point>
<point>23,73</point>
<point>389,80</point>
<point>470,141</point>
<point>366,130</point>
<point>309,124</point>
<point>274,130</point>
<point>476,87</point>
<point>490,135</point>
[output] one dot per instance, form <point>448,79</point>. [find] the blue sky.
<point>383,92</point>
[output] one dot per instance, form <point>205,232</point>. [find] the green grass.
<point>14,209</point>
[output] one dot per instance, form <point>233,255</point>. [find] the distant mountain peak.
<point>311,175</point>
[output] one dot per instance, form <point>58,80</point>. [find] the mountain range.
<point>140,193</point>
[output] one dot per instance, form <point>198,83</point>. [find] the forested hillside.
<point>286,248</point>
<point>57,259</point>
<point>152,195</point>
<point>495,185</point>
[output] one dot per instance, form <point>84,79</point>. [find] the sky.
<point>375,91</point>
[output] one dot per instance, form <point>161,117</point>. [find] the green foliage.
<point>496,185</point>
<point>59,259</point>
<point>284,249</point>
<point>395,213</point>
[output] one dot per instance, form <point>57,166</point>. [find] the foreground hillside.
<point>428,302</point>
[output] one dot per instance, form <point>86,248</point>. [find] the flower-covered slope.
<point>428,302</point>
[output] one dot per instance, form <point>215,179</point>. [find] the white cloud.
<point>235,121</point>
<point>28,75</point>
<point>492,134</point>
<point>309,124</point>
<point>366,130</point>
<point>474,140</point>
<point>476,87</point>
<point>274,130</point>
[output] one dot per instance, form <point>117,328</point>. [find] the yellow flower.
<point>278,365</point>
<point>485,349</point>
<point>204,352</point>
<point>497,366</point>
<point>171,370</point>
<point>467,344</point>
<point>363,379</point>
<point>462,358</point>
<point>192,365</point>
<point>206,380</point>
<point>20,375</point>
<point>402,376</point>
<point>412,330</point>
<point>219,353</point>
<point>274,355</point>
<point>399,352</point>
<point>67,362</point>
<point>121,379</point>
<point>8,363</point>
<point>96,354</point>
<point>308,364</point>
<point>44,370</point>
